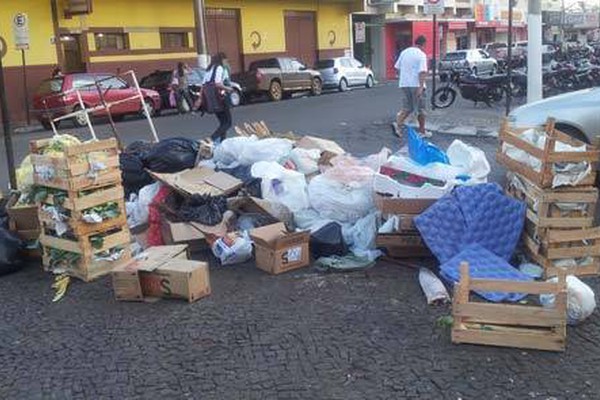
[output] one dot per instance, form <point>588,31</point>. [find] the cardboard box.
<point>312,142</point>
<point>278,250</point>
<point>189,233</point>
<point>396,206</point>
<point>401,245</point>
<point>200,181</point>
<point>162,271</point>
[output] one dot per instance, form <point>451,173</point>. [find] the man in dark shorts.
<point>412,67</point>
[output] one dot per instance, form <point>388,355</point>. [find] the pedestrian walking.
<point>179,84</point>
<point>214,95</point>
<point>412,68</point>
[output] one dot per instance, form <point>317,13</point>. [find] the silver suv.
<point>475,61</point>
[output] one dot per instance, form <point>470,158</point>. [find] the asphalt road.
<point>359,120</point>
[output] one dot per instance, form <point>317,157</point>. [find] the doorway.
<point>73,54</point>
<point>301,36</point>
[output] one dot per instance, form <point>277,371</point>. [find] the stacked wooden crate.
<point>559,231</point>
<point>74,189</point>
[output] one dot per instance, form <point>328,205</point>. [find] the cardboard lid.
<point>204,181</point>
<point>183,266</point>
<point>276,236</point>
<point>153,258</point>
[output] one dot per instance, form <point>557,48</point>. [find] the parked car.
<point>519,48</point>
<point>496,50</point>
<point>343,72</point>
<point>471,61</point>
<point>51,92</point>
<point>576,113</point>
<point>160,80</point>
<point>279,77</point>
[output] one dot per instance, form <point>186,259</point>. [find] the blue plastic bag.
<point>423,152</point>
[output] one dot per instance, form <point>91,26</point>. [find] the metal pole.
<point>200,33</point>
<point>10,156</point>
<point>509,56</point>
<point>25,91</point>
<point>534,51</point>
<point>434,59</point>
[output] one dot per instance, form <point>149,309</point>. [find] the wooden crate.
<point>545,206</point>
<point>548,156</point>
<point>22,220</point>
<point>77,170</point>
<point>76,203</point>
<point>509,325</point>
<point>87,268</point>
<point>402,245</point>
<point>546,247</point>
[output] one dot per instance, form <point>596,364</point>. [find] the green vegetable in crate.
<point>97,241</point>
<point>25,175</point>
<point>58,143</point>
<point>59,257</point>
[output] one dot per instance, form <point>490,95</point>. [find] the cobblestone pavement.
<point>301,335</point>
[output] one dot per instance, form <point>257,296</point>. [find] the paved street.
<point>301,335</point>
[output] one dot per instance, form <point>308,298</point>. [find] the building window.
<point>111,41</point>
<point>174,40</point>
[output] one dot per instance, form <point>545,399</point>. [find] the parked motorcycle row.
<point>574,71</point>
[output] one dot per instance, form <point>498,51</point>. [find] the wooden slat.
<point>83,167</point>
<point>524,340</point>
<point>114,194</point>
<point>572,252</point>
<point>574,156</point>
<point>60,244</point>
<point>512,286</point>
<point>116,239</point>
<point>564,222</point>
<point>584,270</point>
<point>508,137</point>
<point>91,147</point>
<point>572,235</point>
<point>508,314</point>
<point>519,168</point>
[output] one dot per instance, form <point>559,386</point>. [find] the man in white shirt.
<point>412,68</point>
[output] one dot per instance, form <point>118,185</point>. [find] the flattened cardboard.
<point>396,206</point>
<point>183,233</point>
<point>278,250</point>
<point>312,142</point>
<point>177,279</point>
<point>259,206</point>
<point>126,277</point>
<point>204,181</point>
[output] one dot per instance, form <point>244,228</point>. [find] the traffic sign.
<point>433,7</point>
<point>21,31</point>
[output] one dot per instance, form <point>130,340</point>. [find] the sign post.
<point>21,37</point>
<point>435,8</point>
<point>8,145</point>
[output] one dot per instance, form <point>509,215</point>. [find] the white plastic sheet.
<point>470,159</point>
<point>340,202</point>
<point>282,185</point>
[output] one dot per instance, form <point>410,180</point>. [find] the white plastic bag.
<point>360,237</point>
<point>306,160</point>
<point>581,300</point>
<point>432,287</point>
<point>339,202</point>
<point>233,249</point>
<point>249,150</point>
<point>469,158</point>
<point>281,185</point>
<point>138,208</point>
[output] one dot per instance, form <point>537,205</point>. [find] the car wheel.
<point>573,132</point>
<point>275,91</point>
<point>316,87</point>
<point>235,98</point>
<point>79,120</point>
<point>149,109</point>
<point>370,82</point>
<point>343,85</point>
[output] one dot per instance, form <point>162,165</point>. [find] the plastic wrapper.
<point>581,300</point>
<point>432,287</point>
<point>339,202</point>
<point>360,237</point>
<point>282,185</point>
<point>233,248</point>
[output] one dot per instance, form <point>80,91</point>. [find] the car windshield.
<point>51,86</point>
<point>270,63</point>
<point>324,64</point>
<point>156,79</point>
<point>455,56</point>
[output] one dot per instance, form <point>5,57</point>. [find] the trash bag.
<point>138,206</point>
<point>422,151</point>
<point>3,213</point>
<point>140,149</point>
<point>172,155</point>
<point>581,300</point>
<point>133,173</point>
<point>306,161</point>
<point>340,202</point>
<point>252,185</point>
<point>205,209</point>
<point>233,248</point>
<point>360,237</point>
<point>282,185</point>
<point>249,150</point>
<point>10,245</point>
<point>328,241</point>
<point>349,171</point>
<point>471,159</point>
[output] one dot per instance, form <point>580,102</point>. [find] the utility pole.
<point>200,34</point>
<point>509,54</point>
<point>10,157</point>
<point>534,51</point>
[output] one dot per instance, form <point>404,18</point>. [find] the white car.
<point>343,72</point>
<point>475,61</point>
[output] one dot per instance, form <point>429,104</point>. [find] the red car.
<point>51,92</point>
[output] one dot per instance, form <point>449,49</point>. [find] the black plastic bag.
<point>133,173</point>
<point>252,185</point>
<point>207,210</point>
<point>140,149</point>
<point>3,213</point>
<point>328,241</point>
<point>172,155</point>
<point>10,247</point>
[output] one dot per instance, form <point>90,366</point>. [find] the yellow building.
<point>145,35</point>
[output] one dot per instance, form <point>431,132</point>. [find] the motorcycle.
<point>488,90</point>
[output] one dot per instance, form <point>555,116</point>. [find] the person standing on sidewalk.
<point>412,68</point>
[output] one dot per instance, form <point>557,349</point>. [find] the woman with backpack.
<point>215,95</point>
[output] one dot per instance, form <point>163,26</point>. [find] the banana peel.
<point>61,283</point>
